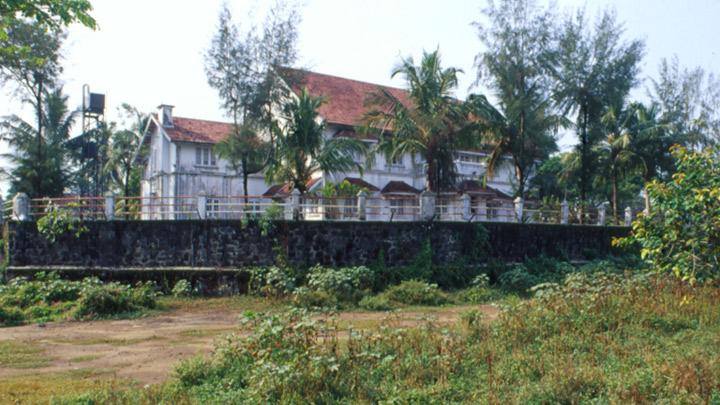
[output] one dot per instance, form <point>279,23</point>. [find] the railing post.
<point>427,205</point>
<point>519,202</point>
<point>295,204</point>
<point>202,205</point>
<point>362,205</point>
<point>109,206</point>
<point>466,203</point>
<point>602,211</point>
<point>564,212</point>
<point>21,207</point>
<point>628,216</point>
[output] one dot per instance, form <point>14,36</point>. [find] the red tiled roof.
<point>283,190</point>
<point>399,187</point>
<point>345,98</point>
<point>361,183</point>
<point>353,134</point>
<point>200,131</point>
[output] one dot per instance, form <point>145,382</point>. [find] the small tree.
<point>246,153</point>
<point>681,234</point>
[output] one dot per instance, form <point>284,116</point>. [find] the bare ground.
<point>147,349</point>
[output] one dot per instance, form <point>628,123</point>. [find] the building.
<point>181,163</point>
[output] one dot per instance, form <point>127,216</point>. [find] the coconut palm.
<point>301,149</point>
<point>616,147</point>
<point>122,149</point>
<point>432,123</point>
<point>40,168</point>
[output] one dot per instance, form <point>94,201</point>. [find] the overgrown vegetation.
<point>47,298</point>
<point>594,337</point>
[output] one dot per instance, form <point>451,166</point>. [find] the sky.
<point>150,52</point>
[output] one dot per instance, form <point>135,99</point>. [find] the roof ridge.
<point>345,78</point>
<point>202,119</point>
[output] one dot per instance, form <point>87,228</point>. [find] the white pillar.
<point>202,205</point>
<point>427,205</point>
<point>481,212</point>
<point>21,207</point>
<point>602,211</point>
<point>362,205</point>
<point>109,206</point>
<point>628,216</point>
<point>295,204</point>
<point>564,212</point>
<point>466,203</point>
<point>519,202</point>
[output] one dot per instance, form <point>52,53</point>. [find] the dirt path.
<point>148,349</point>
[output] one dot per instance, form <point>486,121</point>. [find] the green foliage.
<point>48,297</point>
<point>376,303</point>
<point>182,288</point>
<point>681,234</point>
<point>327,287</point>
<point>415,292</point>
<point>274,281</point>
<point>61,221</point>
<point>271,214</point>
<point>304,297</point>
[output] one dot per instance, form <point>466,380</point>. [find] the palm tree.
<point>245,151</point>
<point>616,147</point>
<point>432,123</point>
<point>301,149</point>
<point>40,168</point>
<point>121,151</point>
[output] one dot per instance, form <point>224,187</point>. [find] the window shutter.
<point>198,158</point>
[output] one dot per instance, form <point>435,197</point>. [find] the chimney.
<point>165,115</point>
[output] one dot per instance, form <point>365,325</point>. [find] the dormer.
<point>165,115</point>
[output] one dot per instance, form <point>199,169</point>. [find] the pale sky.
<point>151,52</point>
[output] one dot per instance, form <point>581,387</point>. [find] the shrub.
<point>182,288</point>
<point>10,316</point>
<point>60,221</point>
<point>346,284</point>
<point>306,298</point>
<point>416,292</point>
<point>275,281</point>
<point>376,303</point>
<point>680,235</point>
<point>518,279</point>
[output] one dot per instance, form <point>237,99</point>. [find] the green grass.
<point>14,354</point>
<point>47,387</point>
<point>109,341</point>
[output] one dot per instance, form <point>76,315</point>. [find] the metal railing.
<point>309,207</point>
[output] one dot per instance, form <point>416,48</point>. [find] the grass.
<point>43,388</point>
<point>109,341</point>
<point>22,355</point>
<point>235,302</point>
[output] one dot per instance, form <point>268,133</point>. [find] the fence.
<point>363,207</point>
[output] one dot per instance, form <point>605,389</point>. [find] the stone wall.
<point>217,245</point>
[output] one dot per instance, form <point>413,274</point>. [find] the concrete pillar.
<point>481,211</point>
<point>295,204</point>
<point>466,203</point>
<point>519,203</point>
<point>564,212</point>
<point>202,205</point>
<point>21,207</point>
<point>362,205</point>
<point>602,212</point>
<point>427,205</point>
<point>109,206</point>
<point>628,216</point>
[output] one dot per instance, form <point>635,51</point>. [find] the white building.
<point>181,163</point>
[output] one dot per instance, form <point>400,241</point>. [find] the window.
<point>398,206</point>
<point>213,208</point>
<point>396,161</point>
<point>204,156</point>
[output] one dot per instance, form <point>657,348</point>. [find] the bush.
<point>306,298</point>
<point>182,288</point>
<point>49,297</point>
<point>376,303</point>
<point>680,234</point>
<point>275,281</point>
<point>518,279</point>
<point>416,292</point>
<point>346,284</point>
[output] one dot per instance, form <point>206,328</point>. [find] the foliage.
<point>122,149</point>
<point>595,69</point>
<point>59,221</point>
<point>517,63</point>
<point>46,14</point>
<point>376,303</point>
<point>39,165</point>
<point>48,297</point>
<point>274,281</point>
<point>182,288</point>
<point>680,234</point>
<point>301,148</point>
<point>345,285</point>
<point>271,213</point>
<point>431,124</point>
<point>415,292</point>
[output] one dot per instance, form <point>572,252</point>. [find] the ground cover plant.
<point>48,297</point>
<point>595,337</point>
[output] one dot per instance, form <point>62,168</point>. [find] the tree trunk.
<point>615,197</point>
<point>39,107</point>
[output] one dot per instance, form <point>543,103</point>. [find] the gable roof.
<point>474,188</point>
<point>356,181</point>
<point>399,187</point>
<point>199,131</point>
<point>345,98</point>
